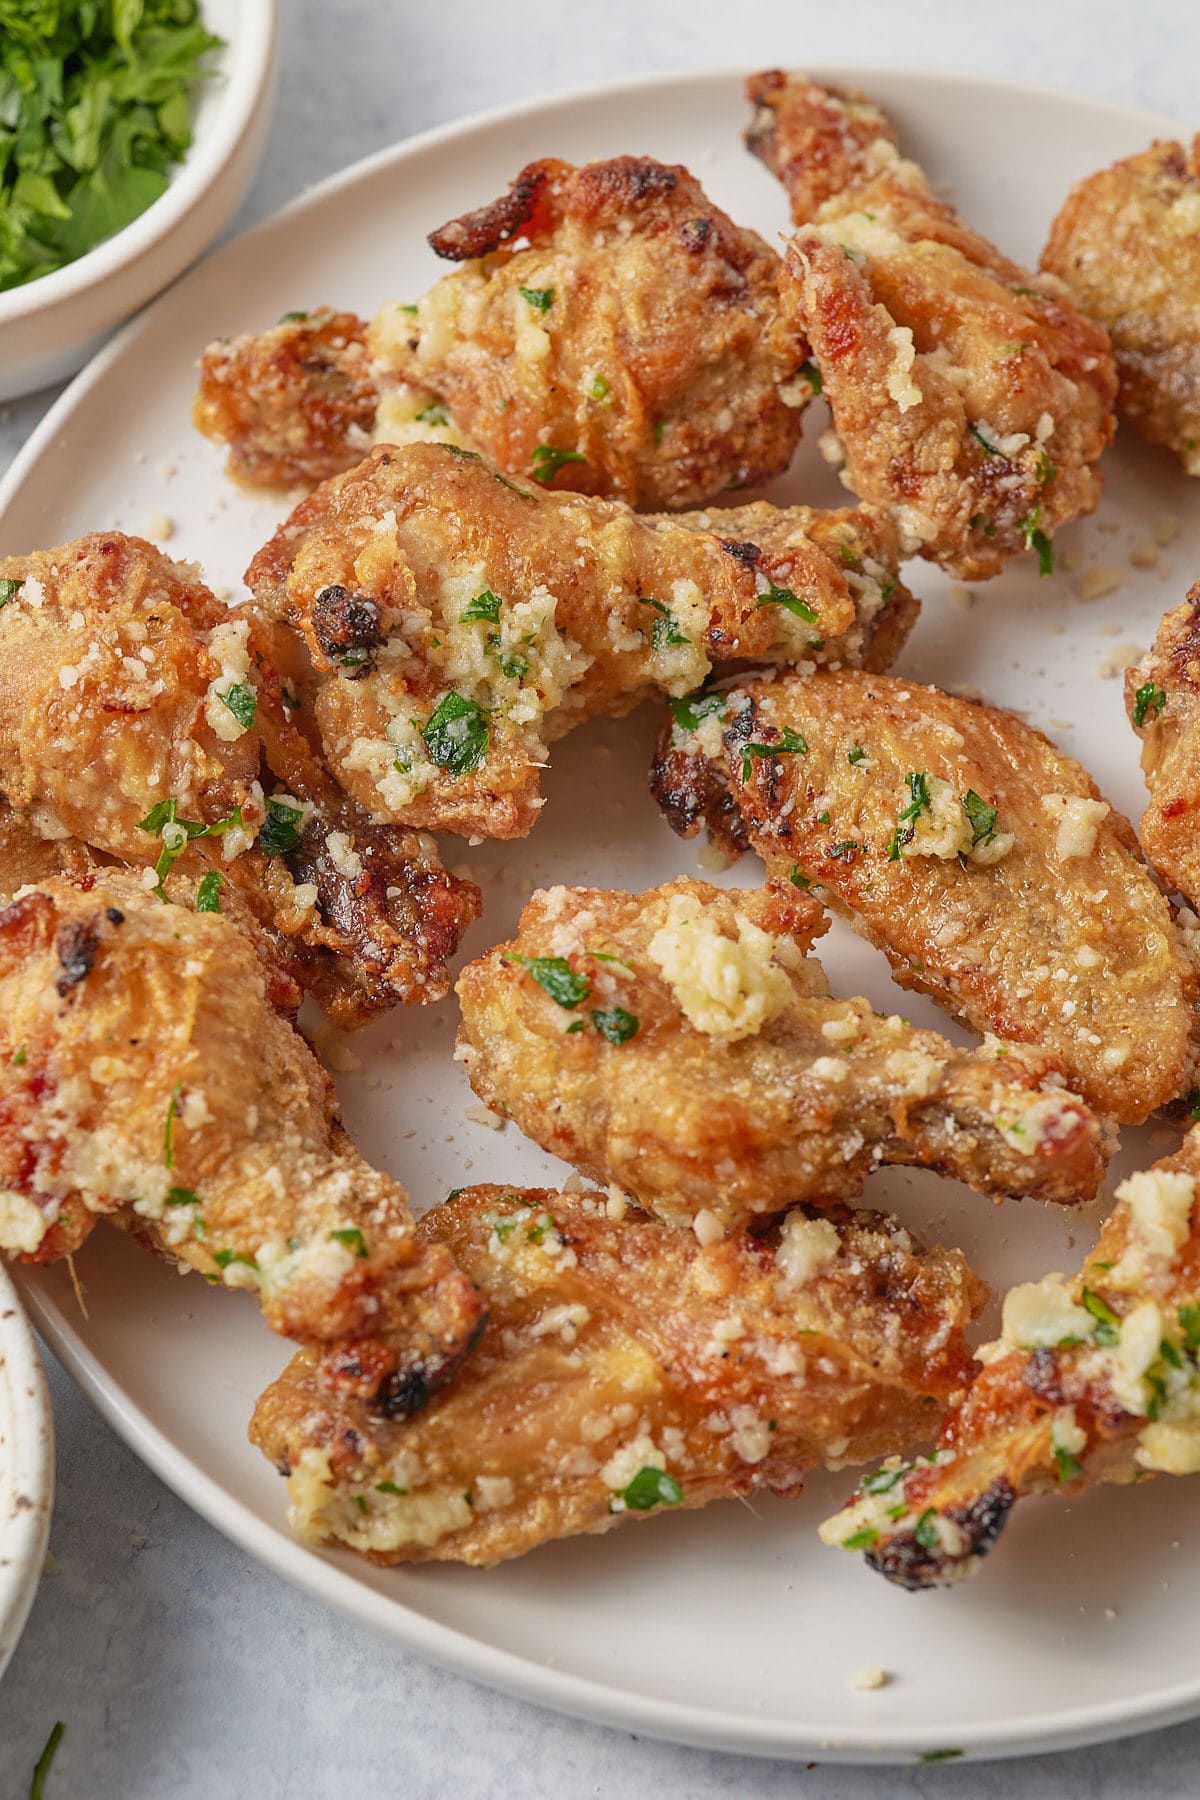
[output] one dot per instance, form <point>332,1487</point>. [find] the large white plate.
<point>730,1627</point>
<point>26,1468</point>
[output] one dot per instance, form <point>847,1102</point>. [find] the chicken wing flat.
<point>606,331</point>
<point>295,404</point>
<point>969,396</point>
<point>971,851</point>
<point>1095,1378</point>
<point>1162,697</point>
<point>1126,247</point>
<point>144,1074</point>
<point>682,1044</point>
<point>140,716</point>
<point>624,1370</point>
<point>455,621</point>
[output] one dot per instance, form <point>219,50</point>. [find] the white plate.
<point>26,1468</point>
<point>730,1627</point>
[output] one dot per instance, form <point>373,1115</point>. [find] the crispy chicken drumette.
<point>969,396</point>
<point>1162,696</point>
<point>626,1369</point>
<point>1126,244</point>
<point>682,1044</point>
<point>143,718</point>
<point>978,857</point>
<point>1095,1378</point>
<point>455,621</point>
<point>146,1076</point>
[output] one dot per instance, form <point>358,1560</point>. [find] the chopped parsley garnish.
<point>555,975</point>
<point>1189,1324</point>
<point>292,318</point>
<point>980,439</point>
<point>541,299</point>
<point>688,712</point>
<point>353,1239</point>
<point>9,589</point>
<point>181,1196</point>
<point>598,388</point>
<point>855,754</point>
<point>177,833</point>
<point>790,744</point>
<point>884,1480</point>
<point>242,703</point>
<point>224,1259</point>
<point>615,1024</point>
<point>575,1026</point>
<point>650,1488</point>
<point>1046,470</point>
<point>666,627</point>
<point>434,415</point>
<point>20,1057</point>
<point>510,662</point>
<point>1108,1326</point>
<point>1036,539</point>
<point>483,606</point>
<point>457,735</point>
<point>861,1539</point>
<point>208,894</point>
<point>780,596</point>
<point>931,1756</point>
<point>169,1127</point>
<point>280,829</point>
<point>918,787</point>
<point>808,371</point>
<point>41,1768</point>
<point>1149,700</point>
<point>925,1530</point>
<point>547,461</point>
<point>822,818</point>
<point>389,1487</point>
<point>1067,1464</point>
<point>845,848</point>
<point>798,878</point>
<point>660,430</point>
<point>981,816</point>
<point>981,522</point>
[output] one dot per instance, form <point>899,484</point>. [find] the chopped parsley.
<point>808,371</point>
<point>1046,470</point>
<point>181,1196</point>
<point>781,596</point>
<point>1108,1326</point>
<point>483,606</point>
<point>1036,539</point>
<point>1149,700</point>
<point>20,1057</point>
<point>176,833</point>
<point>855,754</point>
<point>650,1488</point>
<point>280,829</point>
<point>798,878</point>
<point>433,415</point>
<point>981,522</point>
<point>225,1259</point>
<point>688,712</point>
<point>666,627</point>
<point>457,735</point>
<point>790,744</point>
<point>547,461</point>
<point>862,1539</point>
<point>242,703</point>
<point>925,1530</point>
<point>981,440</point>
<point>1189,1324</point>
<point>884,1480</point>
<point>169,1127</point>
<point>980,815</point>
<point>1067,1465</point>
<point>615,1024</point>
<point>389,1487</point>
<point>845,848</point>
<point>353,1239</point>
<point>598,388</point>
<point>9,589</point>
<point>918,787</point>
<point>41,1768</point>
<point>208,894</point>
<point>556,977</point>
<point>932,1756</point>
<point>541,299</point>
<point>660,430</point>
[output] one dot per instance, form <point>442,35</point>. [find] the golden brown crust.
<point>1126,244</point>
<point>1162,697</point>
<point>1060,939</point>
<point>613,1347</point>
<point>626,325</point>
<point>969,397</point>
<point>663,1078</point>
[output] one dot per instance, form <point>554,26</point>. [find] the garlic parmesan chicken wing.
<point>1126,245</point>
<point>295,404</point>
<point>1162,697</point>
<point>969,397</point>
<point>683,1044</point>
<point>454,621</point>
<point>971,851</point>
<point>144,1075</point>
<point>606,331</point>
<point>626,1370</point>
<point>1094,1378</point>
<point>143,718</point>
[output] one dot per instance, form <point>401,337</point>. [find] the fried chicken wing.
<point>454,621</point>
<point>295,404</point>
<point>1127,248</point>
<point>143,1074</point>
<point>978,857</point>
<point>605,332</point>
<point>682,1044</point>
<point>141,717</point>
<point>969,397</point>
<point>1095,1378</point>
<point>1162,697</point>
<point>625,1369</point>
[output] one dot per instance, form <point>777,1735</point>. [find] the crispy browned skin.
<point>708,1071</point>
<point>144,1073</point>
<point>625,1369</point>
<point>1059,938</point>
<point>969,396</point>
<point>1095,1378</point>
<point>294,404</point>
<point>1127,246</point>
<point>113,661</point>
<point>575,606</point>
<point>1162,697</point>
<point>643,350</point>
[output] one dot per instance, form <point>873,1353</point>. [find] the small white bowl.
<point>26,1468</point>
<point>50,327</point>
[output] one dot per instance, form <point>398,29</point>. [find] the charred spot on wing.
<point>902,1559</point>
<point>75,945</point>
<point>695,233</point>
<point>479,233</point>
<point>1041,1377</point>
<point>348,627</point>
<point>744,552</point>
<point>417,1380</point>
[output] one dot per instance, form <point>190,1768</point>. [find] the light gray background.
<point>180,1667</point>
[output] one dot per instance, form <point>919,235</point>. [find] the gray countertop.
<point>180,1666</point>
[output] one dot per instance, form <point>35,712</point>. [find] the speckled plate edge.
<point>326,1575</point>
<point>26,1468</point>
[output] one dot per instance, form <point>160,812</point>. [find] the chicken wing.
<point>969,397</point>
<point>455,621</point>
<point>140,716</point>
<point>1162,697</point>
<point>682,1044</point>
<point>625,1369</point>
<point>1127,248</point>
<point>1095,1378</point>
<point>977,856</point>
<point>146,1076</point>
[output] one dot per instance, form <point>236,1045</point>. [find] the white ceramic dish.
<point>49,327</point>
<point>26,1468</point>
<point>730,1627</point>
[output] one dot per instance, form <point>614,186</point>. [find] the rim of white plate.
<point>26,1468</point>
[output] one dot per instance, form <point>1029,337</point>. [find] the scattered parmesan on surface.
<point>1099,581</point>
<point>726,987</point>
<point>1078,821</point>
